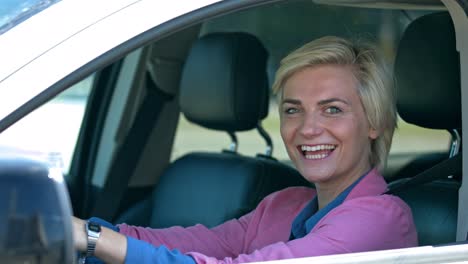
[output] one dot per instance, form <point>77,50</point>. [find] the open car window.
<point>55,126</point>
<point>153,59</point>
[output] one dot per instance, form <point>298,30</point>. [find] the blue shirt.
<point>310,215</point>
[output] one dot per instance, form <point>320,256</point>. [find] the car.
<point>141,113</point>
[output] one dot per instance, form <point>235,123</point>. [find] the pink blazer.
<point>367,220</point>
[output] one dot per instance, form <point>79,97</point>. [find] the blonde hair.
<point>375,88</point>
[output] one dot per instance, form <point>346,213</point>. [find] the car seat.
<point>428,90</point>
<point>224,88</point>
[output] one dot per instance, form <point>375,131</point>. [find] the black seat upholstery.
<point>428,87</point>
<point>223,87</point>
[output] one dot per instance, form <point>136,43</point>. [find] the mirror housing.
<point>35,211</point>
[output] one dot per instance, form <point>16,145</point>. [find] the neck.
<point>328,191</point>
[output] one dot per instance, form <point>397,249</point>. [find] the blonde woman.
<point>337,113</point>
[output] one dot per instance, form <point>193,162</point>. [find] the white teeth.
<point>317,156</point>
<point>322,155</point>
<point>316,147</point>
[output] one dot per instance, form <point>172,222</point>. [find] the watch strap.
<point>93,231</point>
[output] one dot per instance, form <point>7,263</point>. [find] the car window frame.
<point>459,13</point>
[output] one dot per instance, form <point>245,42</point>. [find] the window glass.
<point>192,137</point>
<point>409,138</point>
<point>54,127</point>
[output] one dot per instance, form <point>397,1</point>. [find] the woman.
<point>337,114</point>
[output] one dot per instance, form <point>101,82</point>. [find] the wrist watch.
<point>93,230</point>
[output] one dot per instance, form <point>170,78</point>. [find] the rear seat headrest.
<point>224,82</point>
<point>427,71</point>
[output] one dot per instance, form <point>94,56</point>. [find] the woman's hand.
<point>79,234</point>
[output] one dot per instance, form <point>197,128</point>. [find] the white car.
<point>98,82</point>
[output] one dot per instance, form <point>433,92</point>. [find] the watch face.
<point>94,227</point>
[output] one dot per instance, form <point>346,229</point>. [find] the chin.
<point>315,175</point>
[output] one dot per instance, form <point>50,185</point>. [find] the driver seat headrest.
<point>224,83</point>
<point>427,72</point>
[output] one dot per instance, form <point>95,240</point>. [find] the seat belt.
<point>128,155</point>
<point>450,166</point>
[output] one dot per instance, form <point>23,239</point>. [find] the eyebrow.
<point>291,101</point>
<point>322,102</point>
<point>331,100</point>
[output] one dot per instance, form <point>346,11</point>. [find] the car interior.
<point>217,74</point>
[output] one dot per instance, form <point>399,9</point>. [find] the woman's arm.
<point>224,240</point>
<point>270,222</point>
<point>146,245</point>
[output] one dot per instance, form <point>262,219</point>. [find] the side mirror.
<point>35,213</point>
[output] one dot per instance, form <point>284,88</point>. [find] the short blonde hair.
<point>375,88</point>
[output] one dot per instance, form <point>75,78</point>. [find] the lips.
<point>316,152</point>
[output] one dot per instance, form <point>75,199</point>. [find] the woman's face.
<point>324,127</point>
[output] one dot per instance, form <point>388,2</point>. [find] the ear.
<point>373,133</point>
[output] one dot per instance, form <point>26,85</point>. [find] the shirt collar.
<point>371,183</point>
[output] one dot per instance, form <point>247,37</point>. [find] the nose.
<point>311,126</point>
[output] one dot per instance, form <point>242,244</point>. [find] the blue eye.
<point>333,110</point>
<point>291,110</point>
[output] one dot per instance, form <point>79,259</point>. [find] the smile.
<point>317,152</point>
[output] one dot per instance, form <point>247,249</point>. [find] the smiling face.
<point>324,127</point>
